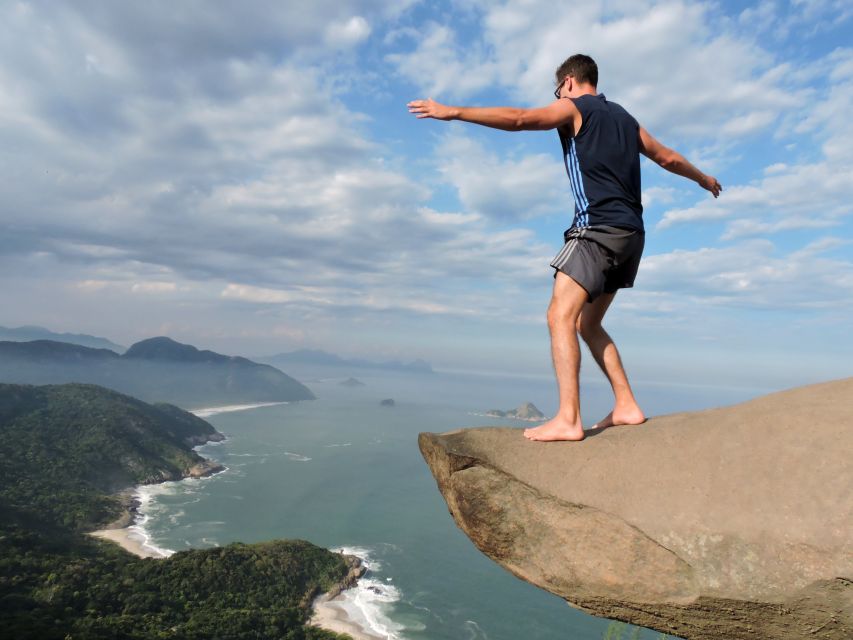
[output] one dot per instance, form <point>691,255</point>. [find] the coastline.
<point>327,610</point>
<point>330,614</point>
<point>124,537</point>
<point>206,412</point>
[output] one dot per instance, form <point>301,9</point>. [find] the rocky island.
<point>526,411</point>
<point>728,523</point>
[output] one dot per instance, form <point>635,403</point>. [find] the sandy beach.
<point>330,615</point>
<point>206,412</point>
<point>129,541</point>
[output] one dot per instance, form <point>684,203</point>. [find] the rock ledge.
<point>727,523</point>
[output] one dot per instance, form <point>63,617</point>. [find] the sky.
<point>245,177</point>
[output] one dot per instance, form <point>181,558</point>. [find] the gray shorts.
<point>600,259</point>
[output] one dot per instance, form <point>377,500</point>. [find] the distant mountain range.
<point>317,357</point>
<point>30,333</point>
<point>157,369</point>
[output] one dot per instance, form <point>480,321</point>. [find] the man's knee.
<point>587,328</point>
<point>560,311</point>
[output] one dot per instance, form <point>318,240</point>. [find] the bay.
<point>345,472</point>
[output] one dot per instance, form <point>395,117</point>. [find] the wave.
<point>297,456</point>
<point>146,495</point>
<point>368,603</point>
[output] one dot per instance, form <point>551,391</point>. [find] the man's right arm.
<point>676,163</point>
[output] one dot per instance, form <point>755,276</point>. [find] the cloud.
<point>348,33</point>
<point>256,189</point>
<point>794,195</point>
<point>752,274</point>
<point>513,188</point>
<point>653,58</point>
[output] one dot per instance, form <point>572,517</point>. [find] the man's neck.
<point>583,90</point>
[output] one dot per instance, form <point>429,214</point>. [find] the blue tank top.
<point>603,164</point>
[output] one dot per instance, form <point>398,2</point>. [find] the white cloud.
<point>440,65</point>
<point>752,274</point>
<point>348,33</point>
<point>506,189</point>
<point>154,287</point>
<point>794,195</point>
<point>665,79</point>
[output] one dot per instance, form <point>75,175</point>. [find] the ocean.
<point>345,472</point>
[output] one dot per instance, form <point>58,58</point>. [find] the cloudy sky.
<point>246,177</point>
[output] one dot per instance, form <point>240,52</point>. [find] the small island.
<point>526,411</point>
<point>352,382</point>
<point>387,402</point>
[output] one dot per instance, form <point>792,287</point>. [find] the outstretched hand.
<point>429,108</point>
<point>710,183</point>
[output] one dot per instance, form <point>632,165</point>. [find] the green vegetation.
<point>64,449</point>
<point>61,450</point>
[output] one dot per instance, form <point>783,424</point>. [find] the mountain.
<point>317,357</point>
<point>157,369</point>
<point>63,450</point>
<point>30,333</point>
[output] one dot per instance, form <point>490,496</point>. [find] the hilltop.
<point>30,333</point>
<point>157,369</point>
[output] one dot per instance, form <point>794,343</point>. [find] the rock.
<point>351,382</point>
<point>727,523</point>
<point>356,569</point>
<point>388,402</point>
<point>526,411</point>
<point>204,469</point>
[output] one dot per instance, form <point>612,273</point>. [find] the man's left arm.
<point>557,113</point>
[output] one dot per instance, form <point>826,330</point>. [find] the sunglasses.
<point>559,88</point>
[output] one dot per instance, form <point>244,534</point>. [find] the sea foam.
<point>368,602</point>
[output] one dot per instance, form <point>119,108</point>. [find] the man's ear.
<point>571,81</point>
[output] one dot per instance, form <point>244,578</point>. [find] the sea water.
<point>345,472</point>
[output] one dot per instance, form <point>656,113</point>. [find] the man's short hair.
<point>581,67</point>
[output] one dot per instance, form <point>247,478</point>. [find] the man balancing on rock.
<point>601,146</point>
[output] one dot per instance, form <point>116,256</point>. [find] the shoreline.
<point>124,537</point>
<point>330,614</point>
<point>326,612</point>
<point>206,412</point>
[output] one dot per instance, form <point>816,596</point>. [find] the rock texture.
<point>727,523</point>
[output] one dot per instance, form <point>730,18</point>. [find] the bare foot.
<point>622,416</point>
<point>558,428</point>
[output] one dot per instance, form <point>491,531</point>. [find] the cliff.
<point>727,523</point>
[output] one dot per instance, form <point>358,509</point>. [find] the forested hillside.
<point>63,449</point>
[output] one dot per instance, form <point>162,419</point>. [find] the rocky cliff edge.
<point>727,523</point>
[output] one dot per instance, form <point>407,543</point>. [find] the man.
<point>601,146</point>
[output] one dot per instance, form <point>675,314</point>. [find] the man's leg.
<point>567,302</point>
<point>603,349</point>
